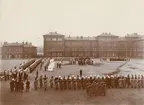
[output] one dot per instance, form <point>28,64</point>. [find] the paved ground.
<point>10,64</point>
<point>53,97</point>
<point>106,67</point>
<point>135,66</point>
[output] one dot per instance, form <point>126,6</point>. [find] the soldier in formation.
<point>36,84</point>
<point>94,85</point>
<point>27,85</point>
<point>18,85</point>
<point>73,82</point>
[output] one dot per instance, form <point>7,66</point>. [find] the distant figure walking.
<point>80,73</point>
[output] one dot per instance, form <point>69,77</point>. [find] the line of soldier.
<point>72,82</point>
<point>18,85</point>
<point>16,74</point>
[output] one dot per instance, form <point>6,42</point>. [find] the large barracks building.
<point>18,50</point>
<point>104,45</point>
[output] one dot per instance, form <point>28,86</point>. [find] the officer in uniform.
<point>72,82</point>
<point>12,85</point>
<point>78,82</point>
<point>112,81</point>
<point>101,89</point>
<point>35,84</point>
<point>65,83</point>
<point>139,82</point>
<point>21,85</point>
<point>90,79</point>
<point>135,81</point>
<point>69,83</point>
<point>82,82</point>
<point>106,80</point>
<point>87,88</point>
<point>80,73</point>
<point>56,82</point>
<point>104,89</point>
<point>27,85</point>
<point>120,82</point>
<point>123,82</point>
<point>90,91</point>
<point>75,83</point>
<point>41,81</point>
<point>142,81</point>
<point>45,84</point>
<point>132,81</point>
<point>51,82</point>
<point>128,81</point>
<point>60,83</point>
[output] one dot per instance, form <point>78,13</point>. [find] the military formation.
<point>18,74</point>
<point>18,85</point>
<point>93,85</point>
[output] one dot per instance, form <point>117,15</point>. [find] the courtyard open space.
<point>127,96</point>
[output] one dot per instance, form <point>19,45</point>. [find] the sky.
<point>29,20</point>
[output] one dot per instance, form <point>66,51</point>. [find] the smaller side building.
<point>18,50</point>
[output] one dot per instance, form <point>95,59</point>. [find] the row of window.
<point>54,39</point>
<point>14,49</point>
<point>54,54</point>
<point>16,56</point>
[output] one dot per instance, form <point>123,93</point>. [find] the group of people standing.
<point>18,74</point>
<point>18,85</point>
<point>90,83</point>
<point>18,77</point>
<point>59,64</point>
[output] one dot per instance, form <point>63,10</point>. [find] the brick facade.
<point>18,50</point>
<point>104,45</point>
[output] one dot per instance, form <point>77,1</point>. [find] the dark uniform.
<point>35,84</point>
<point>41,82</point>
<point>87,88</point>
<point>128,81</point>
<point>142,81</point>
<point>61,83</point>
<point>56,83</point>
<point>139,82</point>
<point>74,83</point>
<point>21,86</point>
<point>79,83</point>
<point>27,85</point>
<point>45,84</point>
<point>82,82</point>
<point>80,73</point>
<point>135,82</point>
<point>132,82</point>
<point>69,83</point>
<point>12,85</point>
<point>51,82</point>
